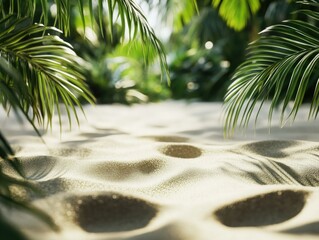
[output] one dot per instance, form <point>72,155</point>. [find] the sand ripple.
<point>164,172</point>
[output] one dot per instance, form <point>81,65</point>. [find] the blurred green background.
<point>202,51</point>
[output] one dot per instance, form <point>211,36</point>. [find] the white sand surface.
<point>164,172</point>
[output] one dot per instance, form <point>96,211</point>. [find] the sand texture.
<point>164,172</point>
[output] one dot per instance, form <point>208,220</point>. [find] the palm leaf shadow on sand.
<point>41,168</point>
<point>265,164</point>
<point>268,172</point>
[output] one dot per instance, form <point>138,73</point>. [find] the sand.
<point>164,171</point>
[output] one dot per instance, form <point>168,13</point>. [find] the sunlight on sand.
<point>164,171</point>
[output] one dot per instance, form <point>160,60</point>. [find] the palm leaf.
<point>38,69</point>
<point>50,68</point>
<point>281,65</point>
<point>132,16</point>
<point>127,12</point>
<point>236,13</point>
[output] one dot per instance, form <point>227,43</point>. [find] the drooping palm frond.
<point>38,70</point>
<point>127,12</point>
<point>132,16</point>
<point>281,65</point>
<point>236,13</point>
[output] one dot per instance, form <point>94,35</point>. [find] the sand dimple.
<point>262,210</point>
<point>272,149</point>
<point>111,212</point>
<point>181,151</point>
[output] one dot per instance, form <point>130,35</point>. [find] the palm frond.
<point>281,65</point>
<point>128,12</point>
<point>50,69</point>
<point>236,13</point>
<point>37,71</point>
<point>132,16</point>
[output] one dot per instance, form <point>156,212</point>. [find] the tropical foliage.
<point>282,65</point>
<point>116,71</point>
<point>235,13</point>
<point>39,70</point>
<point>57,54</point>
<point>204,53</point>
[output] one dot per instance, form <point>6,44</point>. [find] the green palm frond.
<point>281,65</point>
<point>127,12</point>
<point>132,16</point>
<point>236,12</point>
<point>38,69</point>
